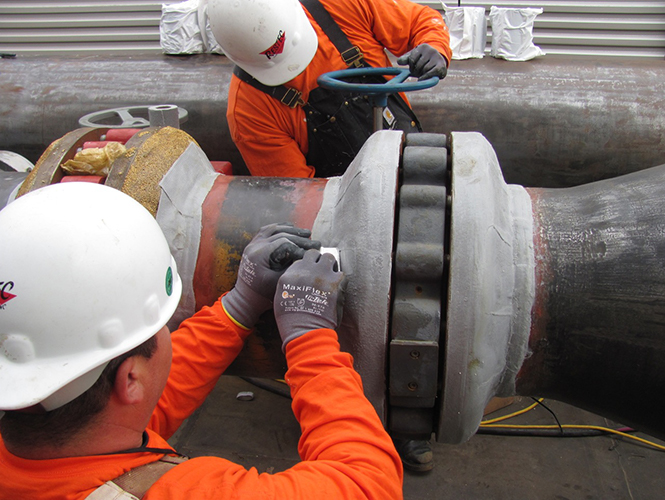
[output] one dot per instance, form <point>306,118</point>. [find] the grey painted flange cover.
<point>491,290</point>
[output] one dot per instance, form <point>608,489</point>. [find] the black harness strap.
<point>144,448</point>
<point>287,96</point>
<point>351,54</point>
<point>137,481</point>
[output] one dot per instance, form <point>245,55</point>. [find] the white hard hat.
<point>272,40</point>
<point>86,275</point>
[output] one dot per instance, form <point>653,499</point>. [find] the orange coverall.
<point>272,137</point>
<point>345,451</point>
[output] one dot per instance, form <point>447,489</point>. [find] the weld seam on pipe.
<point>524,292</point>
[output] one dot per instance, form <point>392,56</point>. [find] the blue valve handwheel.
<point>334,81</point>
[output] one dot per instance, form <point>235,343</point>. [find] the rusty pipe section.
<point>209,218</point>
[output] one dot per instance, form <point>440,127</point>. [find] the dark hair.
<point>55,428</point>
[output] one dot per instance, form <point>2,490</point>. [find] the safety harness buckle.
<point>353,57</point>
<point>292,98</point>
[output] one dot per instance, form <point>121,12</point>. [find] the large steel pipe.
<point>557,293</point>
<point>555,121</point>
<point>598,336</point>
<point>461,287</point>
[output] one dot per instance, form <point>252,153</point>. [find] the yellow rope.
<point>572,426</point>
<point>491,423</point>
<point>511,415</point>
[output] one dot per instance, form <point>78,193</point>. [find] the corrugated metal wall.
<point>80,26</point>
<point>592,27</point>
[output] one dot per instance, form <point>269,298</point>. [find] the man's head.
<point>25,429</point>
<point>271,40</point>
<point>87,276</point>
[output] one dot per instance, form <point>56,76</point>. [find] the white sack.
<point>468,31</point>
<point>180,29</point>
<point>512,33</point>
<point>209,41</point>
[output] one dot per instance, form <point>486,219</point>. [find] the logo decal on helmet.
<point>277,47</point>
<point>5,296</point>
<point>169,282</point>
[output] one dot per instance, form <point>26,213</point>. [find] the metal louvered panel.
<point>80,26</point>
<point>591,27</point>
<point>570,6</point>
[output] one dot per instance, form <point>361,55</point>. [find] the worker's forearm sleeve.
<point>340,427</point>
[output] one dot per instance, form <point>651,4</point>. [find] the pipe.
<point>209,218</point>
<point>599,339</point>
<point>556,121</point>
<point>554,293</point>
<point>10,182</point>
<point>461,287</point>
<point>491,288</point>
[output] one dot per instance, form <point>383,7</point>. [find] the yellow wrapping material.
<point>94,161</point>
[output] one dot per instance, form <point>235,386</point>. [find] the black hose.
<point>572,433</point>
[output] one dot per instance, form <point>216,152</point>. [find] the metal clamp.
<point>417,299</point>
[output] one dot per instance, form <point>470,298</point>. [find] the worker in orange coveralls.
<point>282,122</point>
<point>93,382</point>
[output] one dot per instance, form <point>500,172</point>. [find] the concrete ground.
<point>263,433</point>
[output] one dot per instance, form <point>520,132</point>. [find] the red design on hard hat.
<point>5,296</point>
<point>277,47</point>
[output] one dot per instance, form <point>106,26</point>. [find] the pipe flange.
<point>417,297</point>
<point>491,287</point>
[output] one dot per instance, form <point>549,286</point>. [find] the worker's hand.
<point>308,296</point>
<point>425,62</point>
<point>274,248</point>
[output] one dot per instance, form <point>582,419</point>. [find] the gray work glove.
<point>425,62</point>
<point>308,295</point>
<point>274,248</point>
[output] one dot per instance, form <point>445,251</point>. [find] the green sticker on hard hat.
<point>169,282</point>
